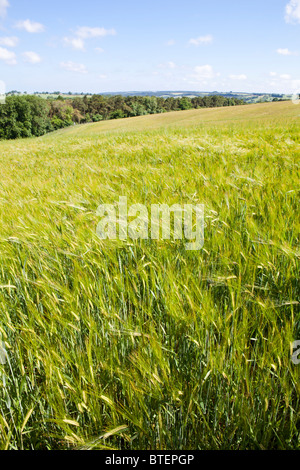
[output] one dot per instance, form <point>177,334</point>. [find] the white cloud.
<point>30,26</point>
<point>201,40</point>
<point>273,74</point>
<point>102,77</point>
<point>238,77</point>
<point>4,4</point>
<point>171,65</point>
<point>32,57</point>
<point>285,52</point>
<point>75,43</point>
<point>167,65</point>
<point>296,86</point>
<point>99,50</point>
<point>7,56</point>
<point>203,72</point>
<point>73,67</point>
<point>171,42</point>
<point>292,11</point>
<point>86,32</point>
<point>11,41</point>
<point>284,84</point>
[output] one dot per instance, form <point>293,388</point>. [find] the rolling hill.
<point>141,344</point>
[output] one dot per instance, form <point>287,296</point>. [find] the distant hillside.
<point>244,115</point>
<point>247,97</point>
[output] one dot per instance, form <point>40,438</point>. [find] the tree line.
<point>30,115</point>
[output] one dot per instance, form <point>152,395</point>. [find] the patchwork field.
<point>142,344</point>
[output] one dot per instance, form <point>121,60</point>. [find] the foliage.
<point>141,344</point>
<point>26,116</point>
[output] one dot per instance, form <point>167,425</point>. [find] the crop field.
<point>141,344</point>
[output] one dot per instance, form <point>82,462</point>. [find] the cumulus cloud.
<point>204,72</point>
<point>169,65</point>
<point>73,67</point>
<point>201,40</point>
<point>292,11</point>
<point>86,32</point>
<point>7,56</point>
<point>296,86</point>
<point>202,75</point>
<point>238,77</point>
<point>30,26</point>
<point>285,52</point>
<point>284,83</point>
<point>4,4</point>
<point>75,43</point>
<point>10,41</point>
<point>31,57</point>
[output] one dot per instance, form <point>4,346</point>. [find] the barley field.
<point>141,344</point>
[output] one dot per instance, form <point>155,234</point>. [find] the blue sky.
<point>128,45</point>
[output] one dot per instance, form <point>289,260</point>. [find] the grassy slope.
<point>165,348</point>
<point>212,116</point>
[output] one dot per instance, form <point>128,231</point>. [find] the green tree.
<point>185,103</point>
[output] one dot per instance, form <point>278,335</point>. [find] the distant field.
<point>142,344</point>
<point>249,114</point>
